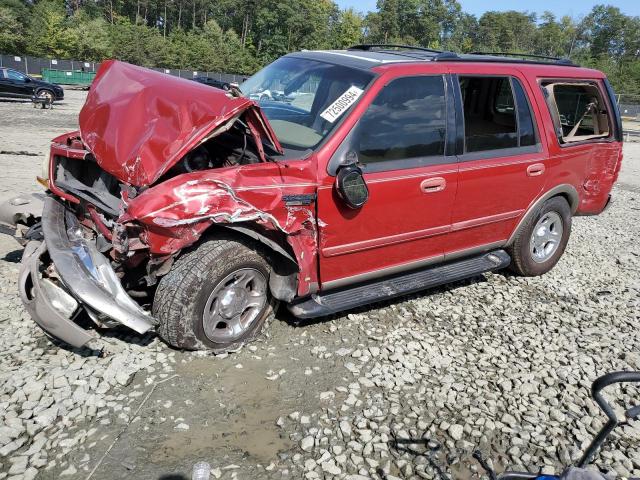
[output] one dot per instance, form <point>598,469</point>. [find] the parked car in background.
<point>402,169</point>
<point>15,84</point>
<point>212,82</point>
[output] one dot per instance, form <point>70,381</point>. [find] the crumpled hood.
<point>138,122</point>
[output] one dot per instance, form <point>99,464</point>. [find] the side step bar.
<point>322,304</point>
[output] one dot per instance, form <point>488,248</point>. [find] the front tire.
<point>215,297</point>
<point>46,95</point>
<point>542,239</point>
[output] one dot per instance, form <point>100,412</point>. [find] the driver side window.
<point>13,75</point>
<point>406,122</point>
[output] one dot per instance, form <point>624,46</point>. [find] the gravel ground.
<point>405,389</point>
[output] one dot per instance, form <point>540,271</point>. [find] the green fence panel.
<point>67,77</point>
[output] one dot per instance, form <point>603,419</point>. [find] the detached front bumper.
<point>17,214</point>
<point>86,280</point>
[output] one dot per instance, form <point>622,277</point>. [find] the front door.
<point>17,84</point>
<point>403,145</point>
<point>502,164</point>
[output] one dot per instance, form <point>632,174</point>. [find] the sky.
<point>575,8</point>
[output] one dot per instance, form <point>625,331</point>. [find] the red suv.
<point>328,180</point>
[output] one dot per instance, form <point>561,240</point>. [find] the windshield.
<point>303,99</point>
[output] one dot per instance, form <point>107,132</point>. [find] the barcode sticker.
<point>342,104</point>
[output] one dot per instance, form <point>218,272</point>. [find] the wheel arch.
<point>566,191</point>
<point>283,281</point>
<point>44,88</point>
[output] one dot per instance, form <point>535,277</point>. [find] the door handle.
<point>433,185</point>
<point>535,170</point>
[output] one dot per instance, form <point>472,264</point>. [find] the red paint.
<point>139,123</point>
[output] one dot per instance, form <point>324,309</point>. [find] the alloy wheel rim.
<point>234,305</point>
<point>546,237</point>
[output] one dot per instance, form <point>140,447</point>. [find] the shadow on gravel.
<point>27,101</point>
<point>120,333</point>
<point>14,256</point>
<point>173,476</point>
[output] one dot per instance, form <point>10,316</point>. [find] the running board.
<point>322,304</point>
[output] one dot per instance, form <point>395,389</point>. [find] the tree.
<point>11,39</point>
<point>555,38</point>
<point>89,38</point>
<point>347,29</point>
<point>509,31</point>
<point>48,34</point>
<point>239,36</point>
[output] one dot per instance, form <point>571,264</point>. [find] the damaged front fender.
<point>177,212</point>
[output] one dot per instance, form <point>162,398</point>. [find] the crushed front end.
<point>81,263</point>
<point>157,162</point>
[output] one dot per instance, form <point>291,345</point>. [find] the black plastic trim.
<point>351,297</point>
<point>615,110</point>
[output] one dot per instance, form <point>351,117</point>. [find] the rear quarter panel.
<point>591,168</point>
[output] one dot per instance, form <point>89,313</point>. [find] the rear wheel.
<point>215,297</point>
<point>542,239</point>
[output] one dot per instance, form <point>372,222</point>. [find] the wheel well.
<point>567,192</point>
<point>573,203</point>
<point>283,281</point>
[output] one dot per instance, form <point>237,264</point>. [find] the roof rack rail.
<point>563,61</point>
<point>369,46</point>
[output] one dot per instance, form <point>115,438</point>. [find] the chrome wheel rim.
<point>234,305</point>
<point>546,237</point>
<point>46,95</point>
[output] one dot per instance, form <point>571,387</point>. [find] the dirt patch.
<point>248,427</point>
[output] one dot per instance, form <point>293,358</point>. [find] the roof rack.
<point>447,56</point>
<point>563,61</point>
<point>370,46</point>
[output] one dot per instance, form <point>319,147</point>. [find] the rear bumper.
<point>86,280</point>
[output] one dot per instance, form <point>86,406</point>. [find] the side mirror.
<point>351,187</point>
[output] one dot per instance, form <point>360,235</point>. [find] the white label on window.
<point>342,103</point>
<point>54,62</point>
<point>17,59</point>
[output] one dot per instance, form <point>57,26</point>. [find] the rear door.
<point>502,161</point>
<point>404,145</point>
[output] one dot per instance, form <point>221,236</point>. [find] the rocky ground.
<point>406,389</point>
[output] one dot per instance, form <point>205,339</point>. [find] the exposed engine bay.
<point>229,149</point>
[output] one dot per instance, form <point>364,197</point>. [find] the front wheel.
<point>542,239</point>
<point>46,95</point>
<point>216,297</point>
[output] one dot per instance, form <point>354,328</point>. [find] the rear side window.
<point>497,114</point>
<point>578,111</point>
<point>406,120</point>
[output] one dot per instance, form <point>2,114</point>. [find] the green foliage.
<point>239,36</point>
<point>347,29</point>
<point>48,31</point>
